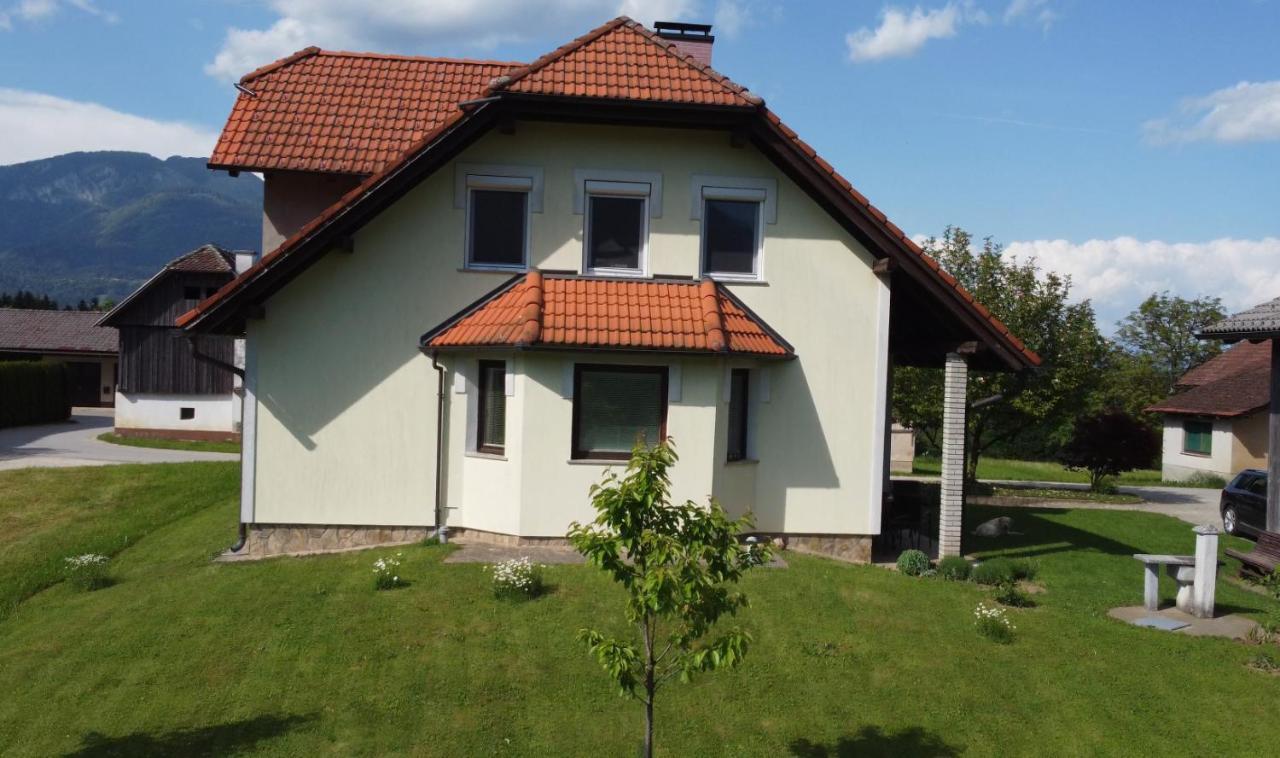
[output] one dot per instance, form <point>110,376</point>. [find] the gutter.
<point>442,531</point>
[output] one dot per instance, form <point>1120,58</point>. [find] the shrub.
<point>1271,583</point>
<point>1009,594</point>
<point>1024,568</point>
<point>1265,661</point>
<point>1107,444</point>
<point>517,578</point>
<point>33,392</point>
<point>993,623</point>
<point>1204,479</point>
<point>913,562</point>
<point>993,572</point>
<point>386,573</point>
<point>88,571</point>
<point>954,568</point>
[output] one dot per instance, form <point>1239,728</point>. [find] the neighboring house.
<point>168,388</point>
<point>516,269</point>
<point>70,337</point>
<point>1216,421</point>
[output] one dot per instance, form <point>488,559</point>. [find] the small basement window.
<point>617,227</point>
<point>739,383</point>
<point>491,430</point>
<point>613,406</point>
<point>497,221</point>
<point>731,232</point>
<point>1197,437</point>
<point>186,414</point>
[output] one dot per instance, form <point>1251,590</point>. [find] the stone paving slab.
<point>1229,625</point>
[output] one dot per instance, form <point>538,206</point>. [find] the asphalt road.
<point>76,443</point>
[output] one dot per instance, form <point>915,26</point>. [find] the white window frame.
<point>642,191</point>
<point>737,194</point>
<point>483,182</point>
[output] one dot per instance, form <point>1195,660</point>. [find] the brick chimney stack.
<point>692,39</point>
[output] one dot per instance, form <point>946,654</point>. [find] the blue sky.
<point>1132,145</point>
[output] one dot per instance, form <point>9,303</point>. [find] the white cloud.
<point>37,125</point>
<point>1117,274</point>
<point>1035,10</point>
<point>902,33</point>
<point>409,26</point>
<point>731,17</point>
<point>35,11</point>
<point>1247,112</point>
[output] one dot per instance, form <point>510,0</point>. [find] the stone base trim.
<point>190,435</point>
<point>850,548</point>
<point>270,540</point>
<point>464,535</point>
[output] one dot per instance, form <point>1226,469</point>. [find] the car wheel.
<point>1229,523</point>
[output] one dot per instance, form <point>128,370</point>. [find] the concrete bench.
<point>1182,568</point>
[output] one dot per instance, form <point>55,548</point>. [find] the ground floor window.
<point>491,430</point>
<point>739,387</point>
<point>614,405</point>
<point>1197,437</point>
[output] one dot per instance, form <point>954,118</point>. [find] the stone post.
<point>1206,581</point>
<point>951,503</point>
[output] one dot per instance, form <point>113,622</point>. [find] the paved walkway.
<point>1194,505</point>
<point>76,443</point>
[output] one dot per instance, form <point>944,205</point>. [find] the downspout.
<point>442,531</point>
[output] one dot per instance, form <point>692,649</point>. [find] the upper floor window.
<point>734,212</point>
<point>498,221</point>
<point>617,227</point>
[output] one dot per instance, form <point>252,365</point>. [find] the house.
<point>174,385</point>
<point>514,270</point>
<point>70,337</point>
<point>1215,424</point>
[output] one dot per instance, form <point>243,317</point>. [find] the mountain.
<point>85,225</point>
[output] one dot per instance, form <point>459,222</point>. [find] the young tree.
<point>677,564</point>
<point>1037,404</point>
<point>1106,444</point>
<point>1163,329</point>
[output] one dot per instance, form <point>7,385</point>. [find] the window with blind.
<point>731,232</point>
<point>491,432</point>
<point>616,226</point>
<point>613,406</point>
<point>1197,437</point>
<point>739,382</point>
<point>497,221</point>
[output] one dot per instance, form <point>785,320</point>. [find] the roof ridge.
<point>422,58</point>
<point>531,307</point>
<point>305,52</point>
<point>712,318</point>
<point>542,61</point>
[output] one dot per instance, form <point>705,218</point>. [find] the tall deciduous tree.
<point>678,564</point>
<point>1163,328</point>
<point>1033,304</point>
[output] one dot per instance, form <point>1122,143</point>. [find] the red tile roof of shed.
<point>340,112</point>
<point>618,314</point>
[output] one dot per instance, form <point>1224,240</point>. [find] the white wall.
<point>213,413</point>
<point>347,403</point>
<point>1179,466</point>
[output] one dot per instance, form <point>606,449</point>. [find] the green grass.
<point>204,446</point>
<point>1003,469</point>
<point>299,656</point>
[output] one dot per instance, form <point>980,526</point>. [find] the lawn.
<point>299,656</point>
<point>204,446</point>
<point>1004,469</point>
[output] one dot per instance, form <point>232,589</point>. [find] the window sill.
<point>743,462</point>
<point>618,272</point>
<point>1195,454</point>
<point>598,462</point>
<point>485,456</point>
<point>748,280</point>
<point>494,269</point>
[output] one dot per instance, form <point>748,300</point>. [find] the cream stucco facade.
<point>1237,443</point>
<point>344,404</point>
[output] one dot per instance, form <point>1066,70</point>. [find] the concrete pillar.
<point>1206,578</point>
<point>954,397</point>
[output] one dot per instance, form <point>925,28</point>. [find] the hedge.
<point>33,392</point>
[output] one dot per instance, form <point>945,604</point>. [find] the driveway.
<point>76,443</point>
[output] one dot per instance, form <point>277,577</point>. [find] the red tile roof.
<point>618,314</point>
<point>1236,382</point>
<point>339,112</point>
<point>623,60</point>
<point>33,331</point>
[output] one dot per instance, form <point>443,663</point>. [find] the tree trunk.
<point>648,725</point>
<point>649,686</point>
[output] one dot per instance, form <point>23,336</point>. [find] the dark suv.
<point>1244,503</point>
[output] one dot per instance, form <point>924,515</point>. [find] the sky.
<point>1134,146</point>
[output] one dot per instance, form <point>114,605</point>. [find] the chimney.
<point>691,39</point>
